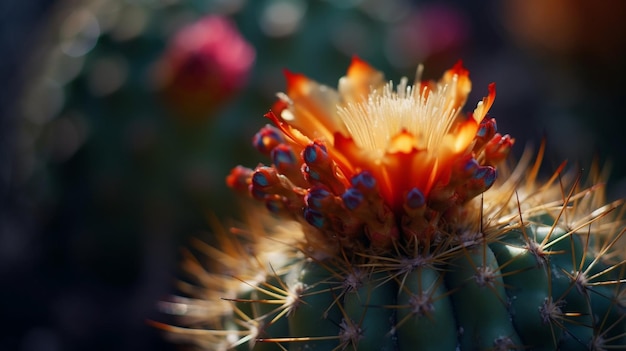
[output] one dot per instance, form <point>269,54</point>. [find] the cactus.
<point>395,222</point>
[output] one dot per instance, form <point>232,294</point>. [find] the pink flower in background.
<point>205,64</point>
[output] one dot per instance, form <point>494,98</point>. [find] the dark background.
<point>89,240</point>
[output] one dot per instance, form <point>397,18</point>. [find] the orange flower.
<point>376,158</point>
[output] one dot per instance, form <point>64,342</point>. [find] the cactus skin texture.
<point>409,245</point>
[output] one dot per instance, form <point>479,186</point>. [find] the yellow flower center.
<point>426,115</point>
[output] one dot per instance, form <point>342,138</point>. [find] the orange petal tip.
<point>294,81</point>
<point>359,66</point>
<point>459,69</point>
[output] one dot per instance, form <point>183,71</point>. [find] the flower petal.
<point>483,106</point>
<point>459,85</point>
<point>359,81</point>
<point>311,107</point>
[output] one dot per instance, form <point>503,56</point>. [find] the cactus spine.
<point>389,231</point>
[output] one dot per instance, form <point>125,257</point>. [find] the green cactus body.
<point>425,317</point>
<point>386,244</point>
<point>529,291</point>
<point>503,296</point>
<point>476,275</point>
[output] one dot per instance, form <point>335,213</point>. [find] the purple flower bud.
<point>260,178</point>
<point>415,198</point>
<point>283,156</point>
<point>487,174</point>
<point>315,152</point>
<point>266,139</point>
<point>352,198</point>
<point>315,196</point>
<point>364,180</point>
<point>314,218</point>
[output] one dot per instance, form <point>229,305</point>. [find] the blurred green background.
<point>103,178</point>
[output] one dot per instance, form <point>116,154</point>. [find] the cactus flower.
<point>396,225</point>
<point>394,155</point>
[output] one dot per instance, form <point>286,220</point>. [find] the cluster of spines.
<point>555,277</point>
<point>528,303</point>
<point>558,282</point>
